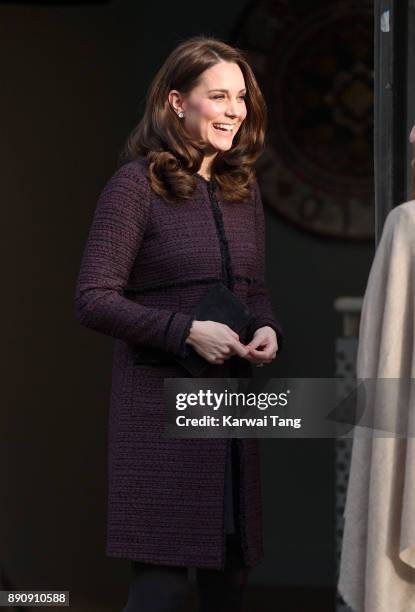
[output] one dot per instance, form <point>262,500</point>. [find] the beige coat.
<point>377,570</point>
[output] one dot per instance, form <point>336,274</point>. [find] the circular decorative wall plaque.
<point>314,63</point>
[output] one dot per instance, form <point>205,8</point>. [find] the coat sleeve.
<point>112,245</point>
<point>258,298</point>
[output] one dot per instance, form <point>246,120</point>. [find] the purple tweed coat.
<point>146,264</point>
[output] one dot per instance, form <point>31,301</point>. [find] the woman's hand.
<point>215,341</point>
<point>263,346</point>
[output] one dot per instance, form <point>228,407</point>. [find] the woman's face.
<point>215,108</point>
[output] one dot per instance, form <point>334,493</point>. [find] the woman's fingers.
<point>240,349</point>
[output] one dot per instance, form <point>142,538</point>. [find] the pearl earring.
<point>180,114</point>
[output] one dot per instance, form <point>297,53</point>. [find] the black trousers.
<point>163,588</point>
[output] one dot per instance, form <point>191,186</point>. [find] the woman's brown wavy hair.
<point>173,155</point>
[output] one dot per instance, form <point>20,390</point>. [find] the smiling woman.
<point>183,214</point>
<point>204,114</point>
<point>213,117</point>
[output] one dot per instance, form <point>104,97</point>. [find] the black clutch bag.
<point>218,304</point>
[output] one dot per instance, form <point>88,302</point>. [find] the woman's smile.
<point>215,108</point>
<point>227,129</point>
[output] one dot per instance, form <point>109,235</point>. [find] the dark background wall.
<point>74,80</point>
